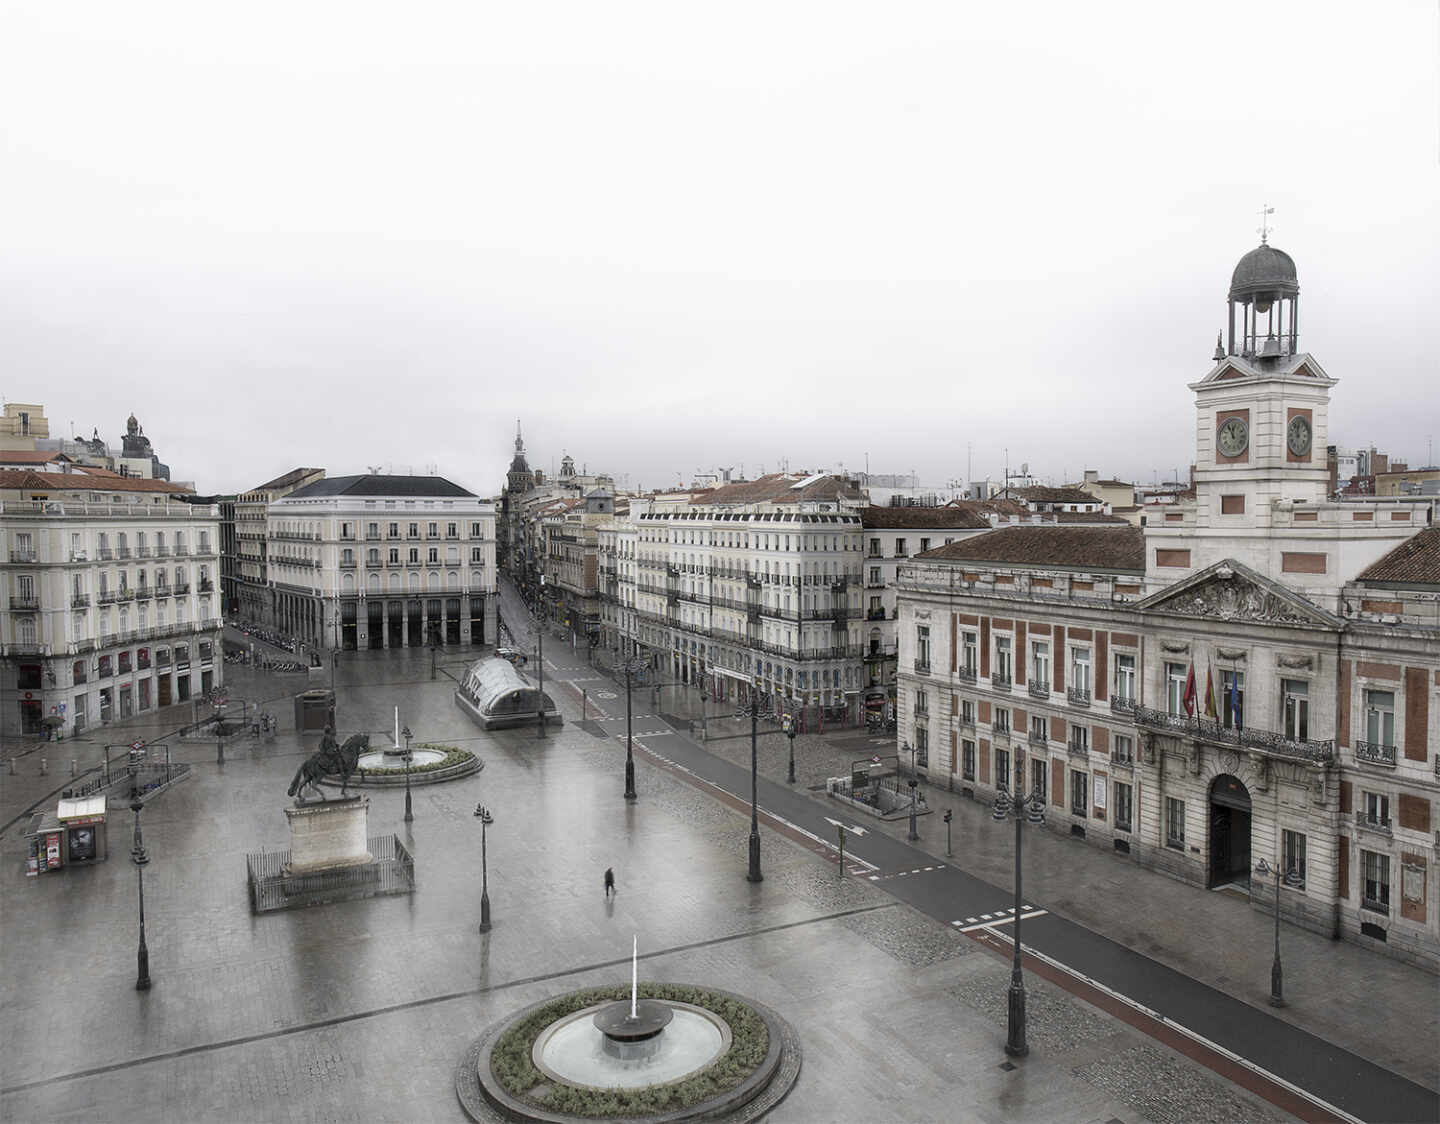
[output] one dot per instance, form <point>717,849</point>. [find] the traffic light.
<point>949,815</point>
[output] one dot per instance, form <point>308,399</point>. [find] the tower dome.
<point>1264,270</point>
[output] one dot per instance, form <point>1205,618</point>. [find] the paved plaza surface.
<point>360,1010</point>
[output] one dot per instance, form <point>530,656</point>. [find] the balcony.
<point>1079,747</point>
<point>875,614</point>
<point>205,550</point>
<point>142,552</point>
<point>206,587</point>
<point>105,554</point>
<point>879,654</point>
<point>1365,823</point>
<point>347,563</point>
<point>122,553</point>
<point>76,556</point>
<point>1000,736</point>
<point>1375,753</point>
<point>1078,696</point>
<point>28,602</point>
<point>1126,764</point>
<point>1038,688</point>
<point>162,551</point>
<point>1000,682</point>
<point>1122,704</point>
<point>181,550</point>
<point>79,601</point>
<point>181,589</point>
<point>922,667</point>
<point>107,597</point>
<point>1210,730</point>
<point>966,722</point>
<point>1039,738</point>
<point>372,536</point>
<point>23,557</point>
<point>966,675</point>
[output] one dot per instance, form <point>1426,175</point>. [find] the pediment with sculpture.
<point>1232,591</point>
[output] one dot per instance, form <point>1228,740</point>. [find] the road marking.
<point>848,827</point>
<point>991,925</point>
<point>968,921</point>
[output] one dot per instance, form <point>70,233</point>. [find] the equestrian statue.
<point>331,759</point>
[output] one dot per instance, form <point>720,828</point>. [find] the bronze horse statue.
<point>329,760</point>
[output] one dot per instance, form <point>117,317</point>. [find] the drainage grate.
<point>1007,1066</point>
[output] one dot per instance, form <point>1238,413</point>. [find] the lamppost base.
<point>913,834</point>
<point>484,914</point>
<point>754,875</point>
<point>630,793</point>
<point>142,979</point>
<point>1015,1044</point>
<point>1278,1001</point>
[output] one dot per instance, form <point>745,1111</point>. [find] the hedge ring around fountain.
<point>658,1052</point>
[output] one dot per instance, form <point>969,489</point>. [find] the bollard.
<point>44,767</point>
<point>12,766</point>
<point>72,766</point>
<point>220,751</point>
<point>584,698</point>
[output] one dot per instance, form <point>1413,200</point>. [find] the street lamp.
<point>405,733</point>
<point>1015,1044</point>
<point>334,659</point>
<point>631,665</point>
<point>1293,880</point>
<point>140,858</point>
<point>540,658</point>
<point>914,835</point>
<point>788,725</point>
<point>482,813</point>
<point>754,874</point>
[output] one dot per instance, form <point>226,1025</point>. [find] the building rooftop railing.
<point>1210,730</point>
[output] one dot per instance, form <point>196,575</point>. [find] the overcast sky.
<point>677,236</point>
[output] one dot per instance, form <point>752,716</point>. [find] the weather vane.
<point>1265,212</point>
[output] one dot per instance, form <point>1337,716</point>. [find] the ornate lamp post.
<point>140,858</point>
<point>754,874</point>
<point>482,813</point>
<point>788,725</point>
<point>1292,879</point>
<point>540,658</point>
<point>631,666</point>
<point>1015,1044</point>
<point>334,659</point>
<point>405,733</point>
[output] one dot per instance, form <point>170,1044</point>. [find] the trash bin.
<point>312,710</point>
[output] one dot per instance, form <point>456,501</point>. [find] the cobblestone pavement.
<point>360,1010</point>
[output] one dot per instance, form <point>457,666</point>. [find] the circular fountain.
<point>606,1054</point>
<point>389,759</point>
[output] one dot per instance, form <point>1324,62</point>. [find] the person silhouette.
<point>610,883</point>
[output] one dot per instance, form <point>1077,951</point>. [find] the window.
<point>1296,705</point>
<point>922,747</point>
<point>1380,717</point>
<point>969,651</point>
<point>1174,688</point>
<point>452,530</point>
<point>1002,770</point>
<point>875,576</point>
<point>394,555</point>
<point>433,555</point>
<point>924,545</point>
<point>1377,881</point>
<point>1038,775</point>
<point>921,705</point>
<point>346,532</point>
<point>1125,678</point>
<point>967,712</point>
<point>393,530</point>
<point>922,648</point>
<point>875,548</point>
<point>1001,725</point>
<point>432,529</point>
<point>1080,670</point>
<point>414,556</point>
<point>1174,823</point>
<point>414,531</point>
<point>1039,729</point>
<point>1232,699</point>
<point>1002,658</point>
<point>372,530</point>
<point>1122,749</point>
<point>1377,809</point>
<point>347,557</point>
<point>1079,794</point>
<point>1293,858</point>
<point>1040,664</point>
<point>1124,807</point>
<point>477,555</point>
<point>967,759</point>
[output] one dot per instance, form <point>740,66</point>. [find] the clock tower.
<point>1263,411</point>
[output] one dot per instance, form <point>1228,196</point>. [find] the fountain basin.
<point>576,1051</point>
<point>387,759</point>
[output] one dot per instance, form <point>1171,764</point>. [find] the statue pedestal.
<point>329,835</point>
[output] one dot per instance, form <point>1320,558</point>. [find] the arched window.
<point>454,580</point>
<point>372,583</point>
<point>347,583</point>
<point>434,582</point>
<point>414,583</point>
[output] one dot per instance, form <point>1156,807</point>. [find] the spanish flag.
<point>1211,710</point>
<point>1188,699</point>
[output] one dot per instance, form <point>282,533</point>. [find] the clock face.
<point>1297,435</point>
<point>1233,436</point>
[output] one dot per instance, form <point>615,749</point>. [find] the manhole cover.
<point>606,695</point>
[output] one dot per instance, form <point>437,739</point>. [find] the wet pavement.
<point>360,1010</point>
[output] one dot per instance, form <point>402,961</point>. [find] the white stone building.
<point>111,600</point>
<point>257,600</point>
<point>382,562</point>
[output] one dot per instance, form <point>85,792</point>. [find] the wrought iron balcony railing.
<point>966,674</point>
<point>1078,696</point>
<point>1375,753</point>
<point>1079,747</point>
<point>1210,730</point>
<point>999,682</point>
<point>1122,704</point>
<point>1038,688</point>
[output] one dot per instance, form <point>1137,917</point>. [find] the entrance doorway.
<point>1229,832</point>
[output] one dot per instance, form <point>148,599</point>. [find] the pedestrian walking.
<point>609,883</point>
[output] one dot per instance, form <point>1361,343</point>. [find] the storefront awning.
<point>743,678</point>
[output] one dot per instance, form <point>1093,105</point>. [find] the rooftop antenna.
<point>1264,229</point>
<point>373,469</point>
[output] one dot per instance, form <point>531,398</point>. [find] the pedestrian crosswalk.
<point>999,917</point>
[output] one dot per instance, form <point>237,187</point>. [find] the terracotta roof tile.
<point>32,456</point>
<point>74,481</point>
<point>1121,547</point>
<point>779,487</point>
<point>1417,560</point>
